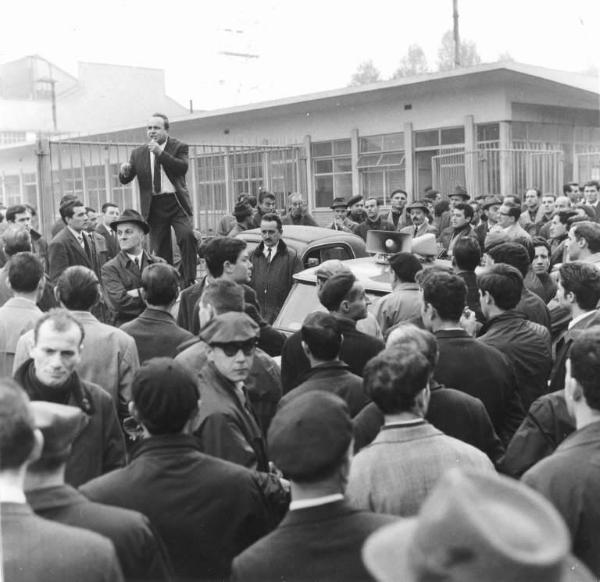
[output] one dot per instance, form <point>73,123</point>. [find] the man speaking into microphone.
<point>161,166</point>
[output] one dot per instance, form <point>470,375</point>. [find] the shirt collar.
<point>315,501</point>
<point>133,257</point>
<point>11,494</point>
<point>273,250</point>
<point>77,235</point>
<point>580,318</point>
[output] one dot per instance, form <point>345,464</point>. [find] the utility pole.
<point>456,35</point>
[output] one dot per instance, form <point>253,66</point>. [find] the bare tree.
<point>365,73</point>
<point>468,53</point>
<point>506,57</point>
<point>413,63</point>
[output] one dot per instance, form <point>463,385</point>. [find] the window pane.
<point>370,144</point>
<point>425,139</point>
<point>323,166</point>
<point>488,132</point>
<point>453,135</point>
<point>368,161</point>
<point>342,165</point>
<point>393,141</point>
<point>321,149</point>
<point>392,160</point>
<point>342,147</point>
<point>372,183</point>
<point>323,191</point>
<point>343,185</point>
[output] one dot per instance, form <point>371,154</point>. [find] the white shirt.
<point>78,236</point>
<point>273,251</point>
<point>166,185</point>
<point>579,318</point>
<point>11,494</point>
<point>315,501</point>
<point>138,257</point>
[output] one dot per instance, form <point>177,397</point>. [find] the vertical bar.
<point>506,167</point>
<point>86,197</point>
<point>107,176</point>
<point>21,190</point>
<point>61,178</point>
<point>310,184</point>
<point>195,195</point>
<point>409,161</point>
<point>354,153</point>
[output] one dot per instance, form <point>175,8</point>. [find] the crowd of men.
<point>155,426</point>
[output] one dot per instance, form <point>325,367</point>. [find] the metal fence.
<point>587,167</point>
<point>216,175</point>
<point>499,171</point>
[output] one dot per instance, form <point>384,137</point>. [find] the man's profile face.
<point>79,220</point>
<point>591,194</point>
<point>541,260</point>
<point>557,228</point>
<point>573,248</point>
<point>111,214</point>
<point>130,237</point>
<point>56,353</point>
<point>492,212</point>
<point>504,218</point>
<point>372,209</point>
<point>457,218</point>
<point>270,233</point>
<point>242,269</point>
<point>357,307</point>
<point>398,201</point>
<point>267,205</point>
<point>156,130</point>
<point>23,220</point>
<point>531,199</point>
<point>92,221</point>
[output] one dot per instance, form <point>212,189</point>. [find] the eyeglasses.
<point>231,349</point>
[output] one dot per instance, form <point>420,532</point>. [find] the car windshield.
<point>301,301</point>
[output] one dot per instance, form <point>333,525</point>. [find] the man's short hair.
<point>583,280</point>
<point>405,266</point>
<point>67,209</point>
<point>567,187</point>
<point>466,253</point>
<point>263,194</point>
<point>219,250</point>
<point>25,271</point>
<point>565,215</point>
<point>504,283</point>
<point>537,191</point>
<point>466,208</point>
<point>108,205</point>
<point>90,209</point>
<point>410,337</point>
<point>337,289</point>
<point>242,211</point>
<point>78,288</point>
<point>224,296</point>
<point>165,395</point>
<point>585,365</point>
<point>272,217</point>
<point>511,253</point>
<point>590,232</point>
<point>395,377</point>
<point>16,240</point>
<point>160,283</point>
<point>61,320</point>
<point>513,210</point>
<point>321,333</point>
<point>369,198</point>
<point>17,438</point>
<point>400,191</point>
<point>592,184</point>
<point>164,118</point>
<point>539,241</point>
<point>12,211</point>
<point>447,293</point>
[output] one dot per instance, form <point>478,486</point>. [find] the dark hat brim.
<point>338,205</point>
<point>122,220</point>
<point>417,206</point>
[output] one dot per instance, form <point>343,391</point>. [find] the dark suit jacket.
<point>156,334</point>
<point>120,275</point>
<point>141,556</point>
<point>205,510</point>
<point>455,413</point>
<point>174,160</point>
<point>64,251</point>
<point>357,349</point>
<point>321,543</point>
<point>35,549</point>
<point>563,345</point>
<point>471,366</point>
<point>569,479</point>
<point>112,244</point>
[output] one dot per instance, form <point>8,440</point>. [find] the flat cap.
<point>339,203</point>
<point>230,327</point>
<point>310,435</point>
<point>330,268</point>
<point>491,202</point>
<point>60,424</point>
<point>418,204</point>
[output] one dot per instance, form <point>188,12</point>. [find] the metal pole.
<point>456,35</point>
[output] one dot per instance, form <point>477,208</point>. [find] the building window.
<point>381,165</point>
<point>332,171</point>
<point>10,137</point>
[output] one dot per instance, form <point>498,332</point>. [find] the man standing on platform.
<point>160,167</point>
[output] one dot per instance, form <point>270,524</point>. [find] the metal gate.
<point>587,167</point>
<point>216,175</point>
<point>499,171</point>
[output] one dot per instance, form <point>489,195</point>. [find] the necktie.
<point>137,263</point>
<point>268,254</point>
<point>156,177</point>
<point>86,246</point>
<point>416,230</point>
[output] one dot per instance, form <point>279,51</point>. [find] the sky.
<point>292,48</point>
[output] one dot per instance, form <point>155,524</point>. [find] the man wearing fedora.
<point>140,554</point>
<point>122,276</point>
<point>418,213</point>
<point>476,528</point>
<point>570,477</point>
<point>340,216</point>
<point>160,167</point>
<point>321,536</point>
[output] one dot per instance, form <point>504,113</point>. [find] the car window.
<point>301,301</point>
<point>321,254</point>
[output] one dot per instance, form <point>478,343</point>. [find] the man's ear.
<point>305,348</point>
<point>38,446</point>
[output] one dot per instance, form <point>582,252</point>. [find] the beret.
<point>309,435</point>
<point>60,424</point>
<point>165,394</point>
<point>335,289</point>
<point>230,327</point>
<point>330,268</point>
<point>354,200</point>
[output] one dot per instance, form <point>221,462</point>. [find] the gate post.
<point>46,209</point>
<point>506,175</point>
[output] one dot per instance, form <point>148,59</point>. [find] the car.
<point>314,244</point>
